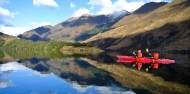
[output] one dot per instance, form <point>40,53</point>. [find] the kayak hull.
<point>146,60</point>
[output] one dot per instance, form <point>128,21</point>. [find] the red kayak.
<point>139,60</point>
<point>145,60</point>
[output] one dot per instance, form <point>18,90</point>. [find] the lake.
<point>91,74</point>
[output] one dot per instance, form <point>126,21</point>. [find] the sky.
<point>19,16</point>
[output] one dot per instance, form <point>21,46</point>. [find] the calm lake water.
<point>98,74</point>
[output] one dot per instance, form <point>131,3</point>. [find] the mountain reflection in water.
<point>97,74</point>
<point>42,76</point>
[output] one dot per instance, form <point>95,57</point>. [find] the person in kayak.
<point>138,54</point>
<point>154,64</point>
<point>155,56</point>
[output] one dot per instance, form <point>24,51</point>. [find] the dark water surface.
<point>98,74</point>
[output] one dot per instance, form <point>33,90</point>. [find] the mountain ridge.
<point>161,22</point>
<point>76,29</point>
<point>67,30</point>
<point>148,7</point>
<point>144,28</point>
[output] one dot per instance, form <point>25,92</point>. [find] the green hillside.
<point>27,49</point>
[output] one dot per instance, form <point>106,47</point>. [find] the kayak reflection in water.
<point>139,60</point>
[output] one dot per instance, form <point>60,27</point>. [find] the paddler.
<point>138,54</point>
<point>155,56</point>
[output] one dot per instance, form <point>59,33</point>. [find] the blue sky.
<point>17,17</point>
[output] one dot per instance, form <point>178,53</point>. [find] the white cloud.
<point>113,90</point>
<point>156,0</point>
<point>33,25</point>
<point>4,84</point>
<point>37,73</point>
<point>49,3</point>
<point>102,89</point>
<point>129,6</point>
<point>107,6</point>
<point>12,66</point>
<point>20,30</point>
<point>5,13</point>
<point>12,30</point>
<point>72,5</point>
<point>80,88</point>
<point>100,3</point>
<point>91,7</point>
<point>80,12</point>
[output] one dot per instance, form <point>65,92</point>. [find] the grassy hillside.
<point>96,30</point>
<point>164,28</point>
<point>4,38</point>
<point>27,49</point>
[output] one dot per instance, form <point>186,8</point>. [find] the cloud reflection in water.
<point>101,89</point>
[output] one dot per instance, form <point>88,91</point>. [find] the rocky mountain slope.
<point>82,28</point>
<point>165,28</point>
<point>68,30</point>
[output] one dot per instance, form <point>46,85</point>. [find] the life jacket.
<point>139,65</point>
<point>155,55</point>
<point>139,55</point>
<point>155,65</point>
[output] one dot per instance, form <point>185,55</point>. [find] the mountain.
<point>148,7</point>
<point>67,30</point>
<point>103,27</point>
<point>166,28</point>
<point>38,34</point>
<point>4,38</point>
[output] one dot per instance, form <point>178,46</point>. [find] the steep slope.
<point>103,27</point>
<point>38,34</point>
<point>4,38</point>
<point>148,7</point>
<point>166,28</point>
<point>67,30</point>
<point>74,28</point>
